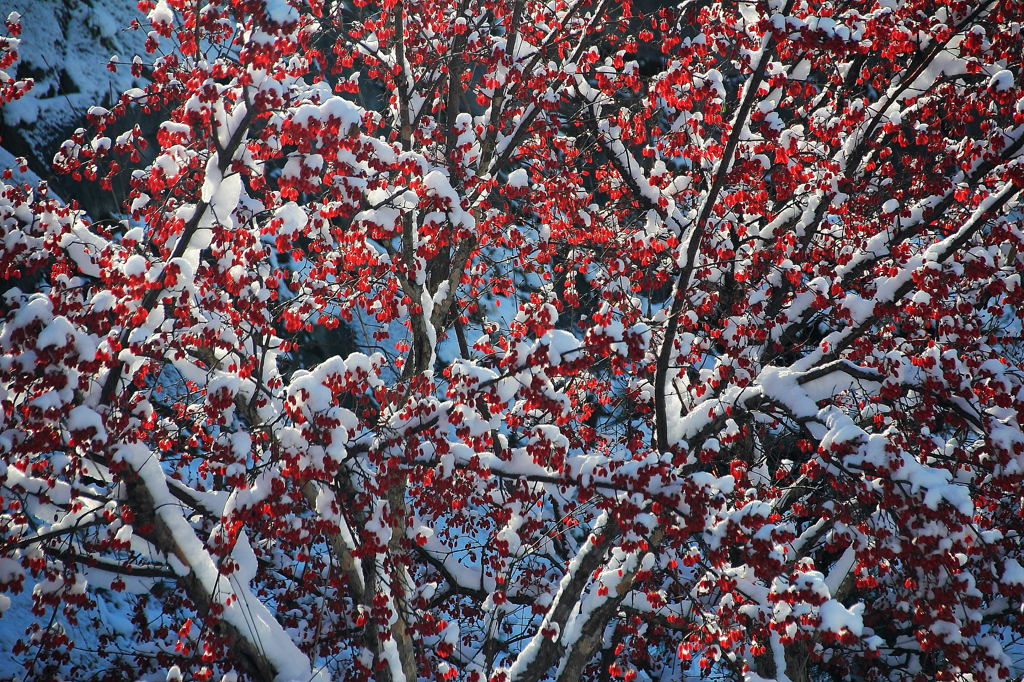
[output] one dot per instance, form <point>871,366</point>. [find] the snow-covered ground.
<point>65,48</point>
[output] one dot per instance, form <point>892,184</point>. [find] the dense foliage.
<point>518,340</point>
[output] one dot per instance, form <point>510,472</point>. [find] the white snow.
<point>161,14</point>
<point>835,617</point>
<point>280,12</point>
<point>1013,573</point>
<point>1001,81</point>
<point>519,178</point>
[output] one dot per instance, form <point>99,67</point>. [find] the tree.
<point>687,337</point>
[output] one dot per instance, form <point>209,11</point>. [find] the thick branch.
<point>692,240</point>
<point>583,649</point>
<point>545,650</point>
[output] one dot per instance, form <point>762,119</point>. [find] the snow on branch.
<point>514,341</point>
